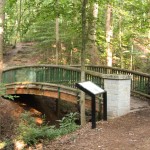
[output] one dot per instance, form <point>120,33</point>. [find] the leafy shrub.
<point>3,92</point>
<point>67,124</point>
<point>31,133</point>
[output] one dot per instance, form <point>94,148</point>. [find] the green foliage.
<point>3,93</point>
<point>31,133</point>
<point>34,20</point>
<point>2,89</point>
<point>67,124</point>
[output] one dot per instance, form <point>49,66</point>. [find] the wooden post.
<point>58,103</point>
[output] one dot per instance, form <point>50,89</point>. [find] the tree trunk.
<point>57,34</point>
<point>109,34</point>
<point>131,58</point>
<point>120,42</point>
<point>1,42</point>
<point>1,35</point>
<point>149,37</point>
<point>18,33</point>
<point>71,55</point>
<point>20,20</point>
<point>82,100</point>
<point>92,49</point>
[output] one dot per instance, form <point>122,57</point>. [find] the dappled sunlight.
<point>35,112</point>
<point>37,115</point>
<point>19,145</point>
<point>1,30</point>
<point>2,145</point>
<point>1,20</point>
<point>38,120</point>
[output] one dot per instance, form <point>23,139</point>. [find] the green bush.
<point>31,133</point>
<point>67,124</point>
<point>3,92</point>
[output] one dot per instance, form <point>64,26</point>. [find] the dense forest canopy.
<point>117,32</point>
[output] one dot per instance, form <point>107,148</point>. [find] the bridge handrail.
<point>140,82</point>
<point>113,69</point>
<point>98,68</point>
<point>41,65</point>
<point>58,74</point>
<point>69,75</point>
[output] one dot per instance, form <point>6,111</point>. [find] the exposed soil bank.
<point>46,106</point>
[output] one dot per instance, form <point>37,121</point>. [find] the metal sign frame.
<point>84,86</point>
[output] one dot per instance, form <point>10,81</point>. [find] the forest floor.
<point>129,132</point>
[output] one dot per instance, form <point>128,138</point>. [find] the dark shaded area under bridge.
<point>46,106</point>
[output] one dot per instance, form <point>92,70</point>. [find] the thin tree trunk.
<point>75,21</point>
<point>120,42</point>
<point>109,34</point>
<point>92,49</point>
<point>1,35</point>
<point>20,18</point>
<point>71,55</point>
<point>82,100</point>
<point>131,58</point>
<point>57,34</point>
<point>1,42</point>
<point>18,22</point>
<point>149,36</point>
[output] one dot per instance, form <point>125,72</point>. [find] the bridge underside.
<point>49,90</point>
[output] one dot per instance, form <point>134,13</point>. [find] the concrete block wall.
<point>118,94</point>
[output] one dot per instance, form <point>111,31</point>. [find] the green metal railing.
<point>140,82</point>
<point>68,76</point>
<point>64,75</point>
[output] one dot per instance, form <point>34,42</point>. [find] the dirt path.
<point>23,54</point>
<point>138,103</point>
<point>130,132</point>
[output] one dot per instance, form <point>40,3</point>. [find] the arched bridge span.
<point>49,90</point>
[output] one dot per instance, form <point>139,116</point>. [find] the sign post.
<point>93,105</point>
<point>92,89</point>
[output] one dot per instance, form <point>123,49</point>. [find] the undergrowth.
<point>31,133</point>
<point>3,93</point>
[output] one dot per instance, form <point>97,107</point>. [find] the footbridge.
<point>58,81</point>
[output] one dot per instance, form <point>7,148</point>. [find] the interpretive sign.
<point>92,89</point>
